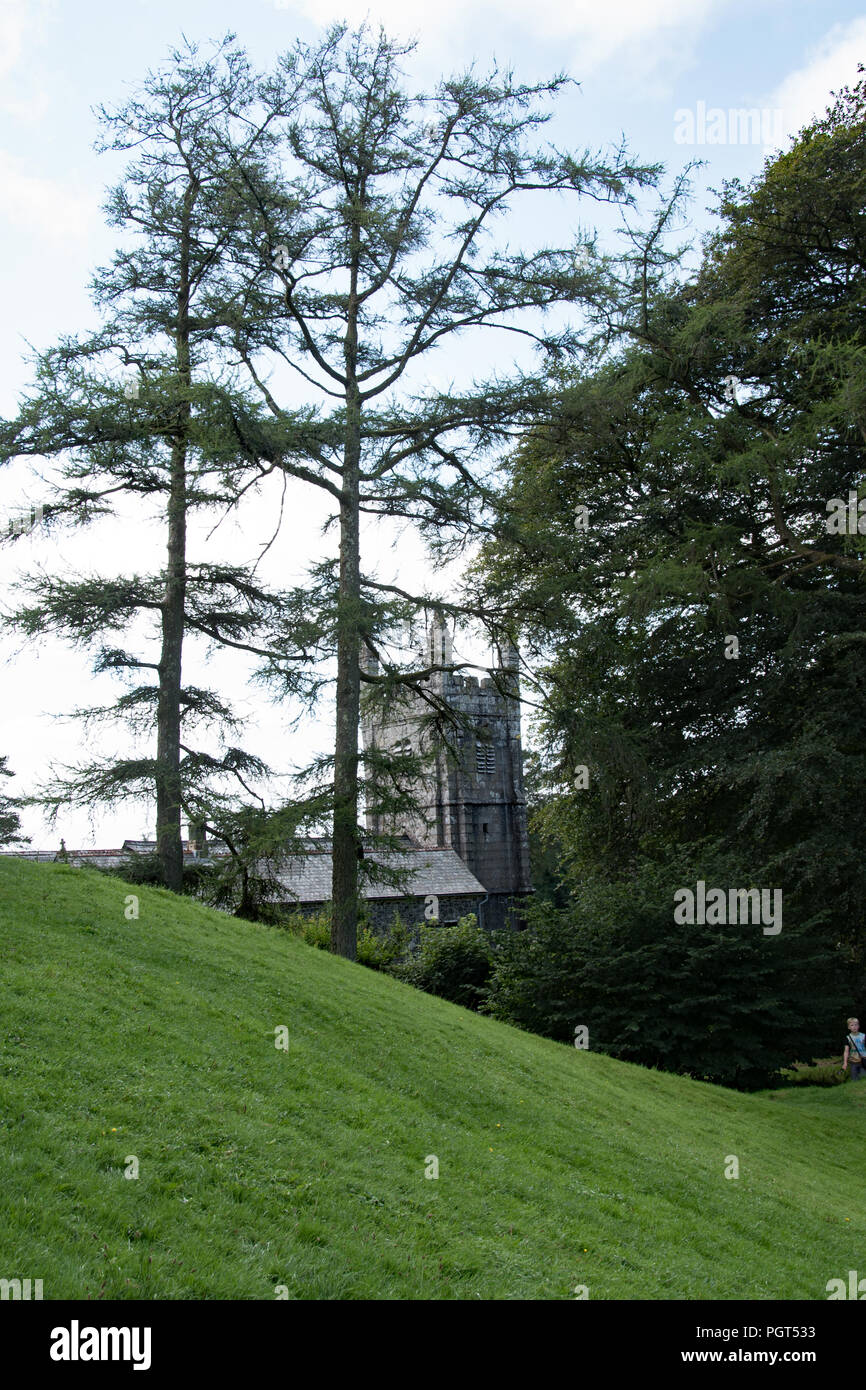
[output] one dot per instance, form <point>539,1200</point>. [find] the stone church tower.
<point>472,798</point>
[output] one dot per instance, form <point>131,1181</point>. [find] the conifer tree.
<point>10,819</point>
<point>379,250</point>
<point>134,414</point>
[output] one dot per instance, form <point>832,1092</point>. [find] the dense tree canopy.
<point>668,544</point>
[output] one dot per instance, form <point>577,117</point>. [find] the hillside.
<point>258,1167</point>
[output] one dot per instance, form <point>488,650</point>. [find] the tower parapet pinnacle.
<point>440,643</point>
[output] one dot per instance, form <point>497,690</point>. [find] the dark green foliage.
<point>829,1073</point>
<point>452,962</point>
<point>385,951</point>
<point>721,1003</point>
<point>705,514</point>
<point>314,928</point>
<point>10,820</point>
<point>145,868</point>
<point>377,950</point>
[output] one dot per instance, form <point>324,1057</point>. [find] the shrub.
<point>722,1003</point>
<point>827,1072</point>
<point>385,951</point>
<point>314,928</point>
<point>376,950</point>
<point>451,962</point>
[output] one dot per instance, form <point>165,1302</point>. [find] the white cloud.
<point>832,64</point>
<point>593,30</point>
<point>45,207</point>
<point>20,22</point>
<point>15,19</point>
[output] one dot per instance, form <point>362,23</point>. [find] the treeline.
<point>610,975</point>
<point>682,542</point>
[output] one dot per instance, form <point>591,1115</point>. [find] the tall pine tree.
<point>136,412</point>
<point>379,250</point>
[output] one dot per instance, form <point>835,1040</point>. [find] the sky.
<point>651,73</point>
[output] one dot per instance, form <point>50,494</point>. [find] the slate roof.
<point>78,858</point>
<point>42,856</point>
<point>99,858</point>
<point>307,877</point>
<point>442,872</point>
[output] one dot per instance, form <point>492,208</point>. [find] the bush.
<point>452,962</point>
<point>720,1003</point>
<point>146,869</point>
<point>824,1073</point>
<point>314,928</point>
<point>375,950</point>
<point>386,951</point>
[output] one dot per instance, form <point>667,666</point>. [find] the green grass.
<point>306,1168</point>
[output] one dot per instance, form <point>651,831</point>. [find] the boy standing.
<point>855,1047</point>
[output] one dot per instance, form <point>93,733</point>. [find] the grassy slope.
<point>305,1168</point>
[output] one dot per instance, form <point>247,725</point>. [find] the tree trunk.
<point>346,845</point>
<point>169,847</point>
<point>168,786</point>
<point>344,927</point>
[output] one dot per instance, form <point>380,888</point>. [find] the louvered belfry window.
<point>485,758</point>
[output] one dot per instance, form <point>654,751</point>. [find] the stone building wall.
<point>382,911</point>
<point>473,797</point>
<point>411,910</point>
